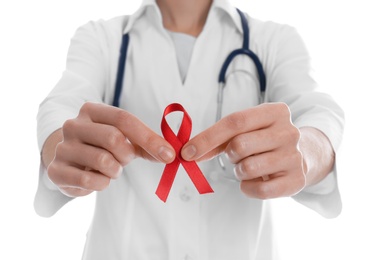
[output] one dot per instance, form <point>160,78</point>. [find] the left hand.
<point>263,144</point>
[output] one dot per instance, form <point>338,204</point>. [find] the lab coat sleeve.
<point>290,80</point>
<point>83,80</point>
<point>48,198</point>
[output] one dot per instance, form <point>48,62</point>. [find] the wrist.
<point>318,154</point>
<point>48,150</point>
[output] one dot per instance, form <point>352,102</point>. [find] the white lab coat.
<point>130,222</point>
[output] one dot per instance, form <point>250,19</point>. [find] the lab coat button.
<point>187,257</point>
<point>185,195</point>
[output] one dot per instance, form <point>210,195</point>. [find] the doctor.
<point>283,147</point>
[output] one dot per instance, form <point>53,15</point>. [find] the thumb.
<point>145,140</point>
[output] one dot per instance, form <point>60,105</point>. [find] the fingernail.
<point>119,172</point>
<point>165,154</point>
<point>189,152</point>
<point>236,171</point>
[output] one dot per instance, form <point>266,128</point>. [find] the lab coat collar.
<point>226,6</point>
<point>135,16</point>
<point>223,5</point>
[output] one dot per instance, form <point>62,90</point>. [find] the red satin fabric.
<point>177,141</point>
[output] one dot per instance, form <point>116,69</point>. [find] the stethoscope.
<point>221,80</point>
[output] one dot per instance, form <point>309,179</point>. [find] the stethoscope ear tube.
<point>258,65</point>
<point>223,72</point>
<point>121,69</point>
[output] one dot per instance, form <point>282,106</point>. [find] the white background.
<point>34,37</point>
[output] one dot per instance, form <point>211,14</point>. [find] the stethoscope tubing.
<point>121,69</point>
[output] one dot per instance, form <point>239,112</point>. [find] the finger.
<point>101,135</point>
<point>83,155</point>
<point>247,144</point>
<point>268,163</point>
<point>133,128</point>
<point>282,186</point>
<point>74,192</point>
<point>212,154</point>
<point>73,177</point>
<point>237,123</point>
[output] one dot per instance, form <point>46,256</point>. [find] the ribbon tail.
<point>198,179</point>
<point>167,180</point>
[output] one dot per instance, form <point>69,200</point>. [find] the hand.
<point>97,144</point>
<point>263,144</point>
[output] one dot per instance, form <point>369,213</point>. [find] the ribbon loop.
<point>177,141</point>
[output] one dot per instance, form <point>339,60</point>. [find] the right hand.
<point>97,144</point>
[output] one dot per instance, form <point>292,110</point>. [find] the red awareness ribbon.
<point>177,141</point>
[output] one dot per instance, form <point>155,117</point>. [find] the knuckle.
<point>282,108</point>
<point>93,181</point>
<point>113,138</point>
<point>290,135</point>
<point>62,149</point>
<point>282,112</point>
<point>294,133</point>
<point>106,164</point>
<point>236,121</point>
<point>85,181</point>
<point>249,166</point>
<point>292,160</point>
<point>85,108</point>
<point>295,157</point>
<point>103,160</point>
<point>263,191</point>
<point>237,146</point>
<point>69,126</point>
